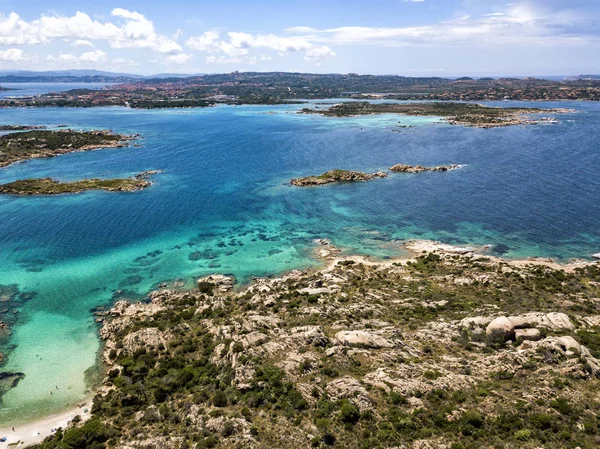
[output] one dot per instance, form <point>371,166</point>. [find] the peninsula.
<point>49,186</point>
<point>449,349</point>
<point>34,144</point>
<point>466,114</point>
<point>336,176</point>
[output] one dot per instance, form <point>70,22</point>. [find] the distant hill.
<point>582,77</point>
<point>78,76</point>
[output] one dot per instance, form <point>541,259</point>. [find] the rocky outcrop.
<point>148,338</point>
<point>552,320</point>
<point>363,339</point>
<point>349,388</point>
<point>216,283</point>
<point>405,168</point>
<point>336,176</point>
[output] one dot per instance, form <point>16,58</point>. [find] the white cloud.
<point>181,58</point>
<point>93,56</point>
<point>67,57</point>
<point>81,43</point>
<point>518,24</point>
<point>118,63</point>
<point>237,49</point>
<point>12,55</point>
<point>208,41</point>
<point>132,30</point>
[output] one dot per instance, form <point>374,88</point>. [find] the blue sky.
<point>405,37</point>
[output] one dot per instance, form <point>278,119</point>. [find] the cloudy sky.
<point>406,37</point>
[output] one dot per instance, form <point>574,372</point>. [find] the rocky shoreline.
<point>405,168</point>
<point>337,175</point>
<point>41,143</point>
<point>359,354</point>
<point>463,114</point>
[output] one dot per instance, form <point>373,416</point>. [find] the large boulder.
<point>501,327</point>
<point>528,334</point>
<point>363,339</point>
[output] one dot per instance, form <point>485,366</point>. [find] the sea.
<point>223,204</point>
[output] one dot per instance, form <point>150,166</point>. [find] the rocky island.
<point>466,114</point>
<point>405,168</point>
<point>33,144</point>
<point>49,186</point>
<point>336,176</point>
<point>447,349</point>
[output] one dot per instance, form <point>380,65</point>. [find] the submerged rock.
<point>9,380</point>
<point>8,292</point>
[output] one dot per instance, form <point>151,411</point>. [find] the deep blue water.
<point>223,205</point>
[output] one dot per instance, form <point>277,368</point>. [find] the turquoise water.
<point>223,205</point>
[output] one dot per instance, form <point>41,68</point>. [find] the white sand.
<point>35,432</point>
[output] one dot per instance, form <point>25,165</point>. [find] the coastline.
<point>34,432</point>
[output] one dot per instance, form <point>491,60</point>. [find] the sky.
<point>403,37</point>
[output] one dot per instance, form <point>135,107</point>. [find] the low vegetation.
<point>356,355</point>
<point>468,114</point>
<point>49,186</point>
<point>20,146</point>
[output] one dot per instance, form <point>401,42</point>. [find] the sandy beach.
<point>36,431</point>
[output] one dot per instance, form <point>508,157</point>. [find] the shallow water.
<point>222,205</point>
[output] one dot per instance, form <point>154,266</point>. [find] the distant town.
<point>280,87</point>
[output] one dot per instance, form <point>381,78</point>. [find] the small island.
<point>50,186</point>
<point>336,176</point>
<point>466,114</point>
<point>34,144</point>
<point>405,168</point>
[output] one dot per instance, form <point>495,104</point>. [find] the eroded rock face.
<point>310,335</point>
<point>148,338</point>
<point>363,339</point>
<point>350,388</point>
<point>552,320</point>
